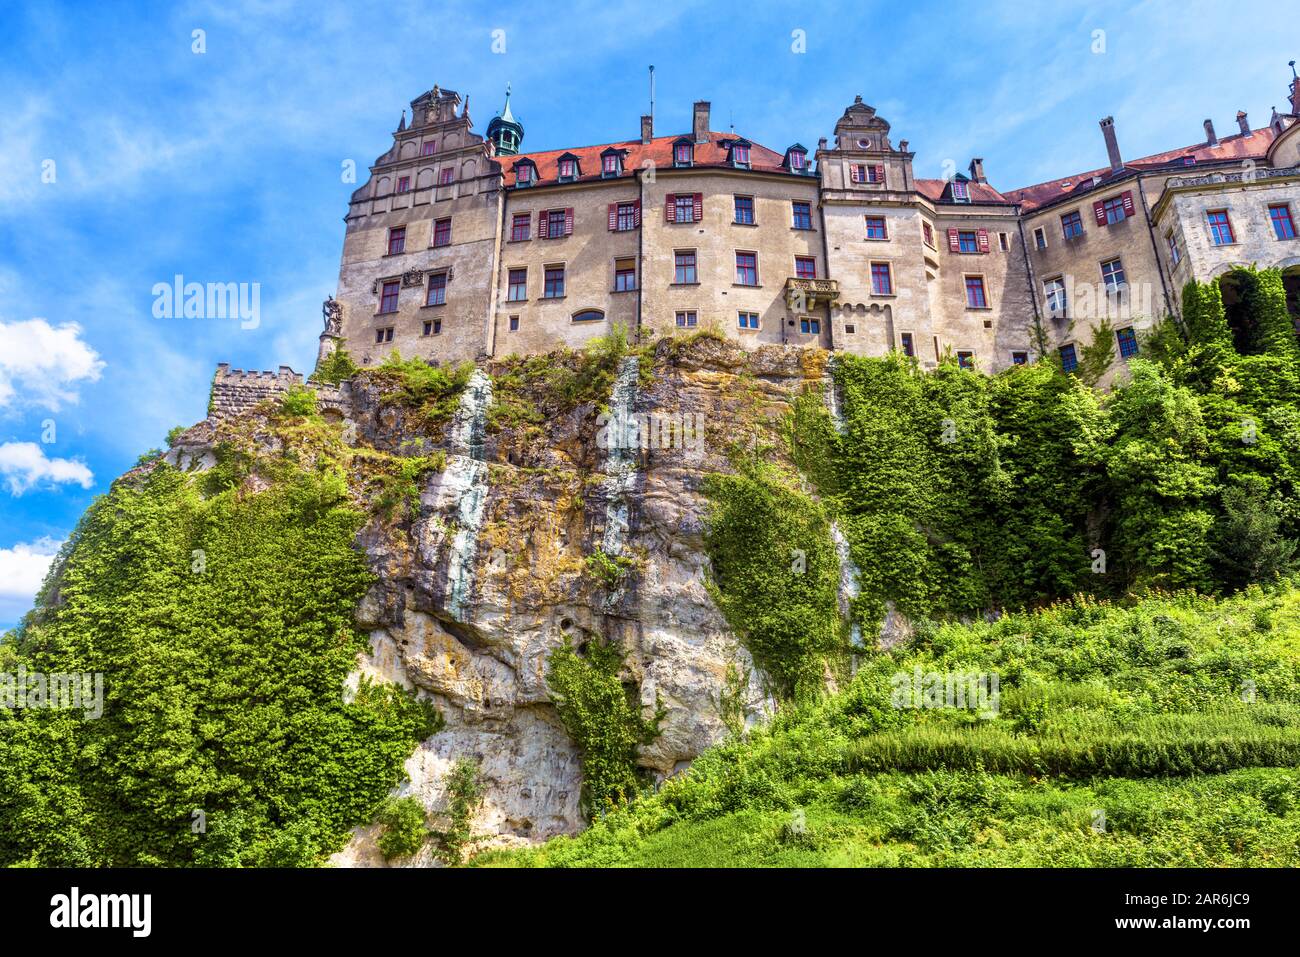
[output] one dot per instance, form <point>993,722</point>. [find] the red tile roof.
<point>932,189</point>
<point>1240,146</point>
<point>659,149</point>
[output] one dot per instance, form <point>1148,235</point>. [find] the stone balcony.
<point>804,295</point>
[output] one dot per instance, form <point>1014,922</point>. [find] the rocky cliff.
<point>554,500</point>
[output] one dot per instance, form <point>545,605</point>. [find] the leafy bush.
<point>609,570</point>
<point>335,368</point>
<point>404,830</point>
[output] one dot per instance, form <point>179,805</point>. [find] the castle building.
<point>464,247</point>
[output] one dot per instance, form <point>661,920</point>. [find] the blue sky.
<point>224,166</point>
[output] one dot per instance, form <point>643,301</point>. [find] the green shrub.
<point>298,400</point>
<point>464,796</point>
<point>404,830</point>
<point>335,368</point>
<point>609,570</point>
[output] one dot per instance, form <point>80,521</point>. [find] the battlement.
<point>236,391</point>
<point>284,374</point>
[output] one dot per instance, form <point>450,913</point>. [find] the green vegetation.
<point>336,368</point>
<point>609,570</point>
<point>960,493</point>
<point>775,576</point>
<point>399,487</point>
<point>404,830</point>
<point>432,390</point>
<point>604,719</point>
<point>526,391</point>
<point>464,795</point>
<point>298,400</point>
<point>222,627</point>
<point>1159,732</point>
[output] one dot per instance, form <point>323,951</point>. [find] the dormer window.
<point>960,192</point>
<point>683,154</point>
<point>796,159</point>
<point>740,155</point>
<point>568,169</point>
<point>525,173</point>
<point>611,163</point>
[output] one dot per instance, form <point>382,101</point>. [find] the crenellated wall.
<point>235,391</point>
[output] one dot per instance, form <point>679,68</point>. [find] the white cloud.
<point>23,567</point>
<point>39,363</point>
<point>24,465</point>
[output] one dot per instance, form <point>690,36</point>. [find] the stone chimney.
<point>1210,138</point>
<point>700,126</point>
<point>647,129</point>
<point>977,170</point>
<point>1242,123</point>
<point>1112,145</point>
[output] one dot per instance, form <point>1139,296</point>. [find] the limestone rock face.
<point>481,583</point>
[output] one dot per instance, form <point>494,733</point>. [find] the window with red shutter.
<point>984,240</point>
<point>568,221</point>
<point>954,241</point>
<point>613,216</point>
<point>880,174</point>
<point>670,208</point>
<point>542,215</point>
<point>699,207</point>
<point>1099,211</point>
<point>636,214</point>
<point>1128,203</point>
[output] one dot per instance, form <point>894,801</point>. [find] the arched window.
<point>589,315</point>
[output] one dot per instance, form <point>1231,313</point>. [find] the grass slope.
<point>1154,733</point>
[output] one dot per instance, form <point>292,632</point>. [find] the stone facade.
<point>459,247</point>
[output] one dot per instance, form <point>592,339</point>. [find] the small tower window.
<point>682,154</point>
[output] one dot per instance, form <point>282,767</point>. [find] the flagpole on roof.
<point>652,96</point>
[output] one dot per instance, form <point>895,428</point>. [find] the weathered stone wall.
<point>235,392</point>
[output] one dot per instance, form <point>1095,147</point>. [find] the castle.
<point>461,246</point>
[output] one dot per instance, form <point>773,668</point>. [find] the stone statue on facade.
<point>332,310</point>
